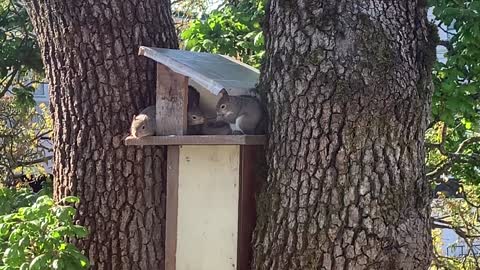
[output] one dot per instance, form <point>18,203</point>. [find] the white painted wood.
<point>208,195</point>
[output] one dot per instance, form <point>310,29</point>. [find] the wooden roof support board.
<point>201,140</point>
<point>172,98</point>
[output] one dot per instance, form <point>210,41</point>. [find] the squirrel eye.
<point>194,117</point>
<point>223,106</point>
<point>143,127</point>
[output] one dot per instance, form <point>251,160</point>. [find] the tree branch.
<point>454,157</point>
<point>447,44</point>
<point>444,30</point>
<point>32,162</point>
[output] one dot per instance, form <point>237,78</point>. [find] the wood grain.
<point>198,140</point>
<point>172,98</point>
<point>173,153</point>
<point>249,159</point>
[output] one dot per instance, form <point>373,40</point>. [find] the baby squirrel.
<point>198,124</point>
<point>144,123</point>
<point>243,113</point>
<point>195,120</point>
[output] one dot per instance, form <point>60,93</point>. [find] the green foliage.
<point>11,199</point>
<point>453,151</point>
<point>462,216</point>
<point>20,63</point>
<point>456,100</point>
<point>232,30</point>
<point>22,130</point>
<point>454,137</point>
<point>35,236</point>
<point>458,80</point>
<point>184,11</point>
<point>189,8</point>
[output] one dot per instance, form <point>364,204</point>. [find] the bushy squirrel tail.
<point>262,125</point>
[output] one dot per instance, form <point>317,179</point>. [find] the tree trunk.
<point>97,82</point>
<point>348,88</point>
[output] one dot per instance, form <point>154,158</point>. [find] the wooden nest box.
<point>211,179</point>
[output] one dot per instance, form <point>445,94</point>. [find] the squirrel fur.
<point>244,113</point>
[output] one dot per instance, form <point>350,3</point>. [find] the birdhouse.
<point>211,179</point>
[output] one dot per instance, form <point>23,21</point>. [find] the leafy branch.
<point>453,157</point>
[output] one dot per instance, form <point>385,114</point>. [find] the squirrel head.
<point>142,126</point>
<point>195,116</point>
<point>227,107</point>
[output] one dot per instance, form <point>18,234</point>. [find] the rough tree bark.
<point>97,82</point>
<point>348,87</point>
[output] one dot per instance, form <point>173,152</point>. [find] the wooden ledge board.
<point>198,140</point>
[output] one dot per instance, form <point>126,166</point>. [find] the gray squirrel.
<point>244,113</point>
<point>198,124</point>
<point>143,124</point>
<point>195,120</point>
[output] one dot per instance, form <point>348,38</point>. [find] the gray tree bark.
<point>348,87</point>
<point>97,82</point>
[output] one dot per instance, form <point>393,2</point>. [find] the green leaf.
<point>467,124</point>
<point>64,213</point>
<point>71,199</point>
<point>81,258</point>
<point>207,44</point>
<point>80,231</point>
<point>4,229</point>
<point>12,256</point>
<point>75,260</point>
<point>24,266</point>
<point>24,242</point>
<point>39,262</point>
<point>258,41</point>
<point>57,264</point>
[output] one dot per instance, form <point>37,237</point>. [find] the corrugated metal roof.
<point>212,71</point>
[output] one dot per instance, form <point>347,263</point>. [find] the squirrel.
<point>193,98</point>
<point>244,113</point>
<point>195,120</point>
<point>198,124</point>
<point>144,124</point>
<point>216,128</point>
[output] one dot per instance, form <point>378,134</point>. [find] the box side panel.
<point>172,206</point>
<point>252,161</point>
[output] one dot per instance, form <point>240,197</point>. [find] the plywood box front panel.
<point>208,194</point>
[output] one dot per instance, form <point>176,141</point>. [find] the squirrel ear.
<point>223,92</point>
<point>134,117</point>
